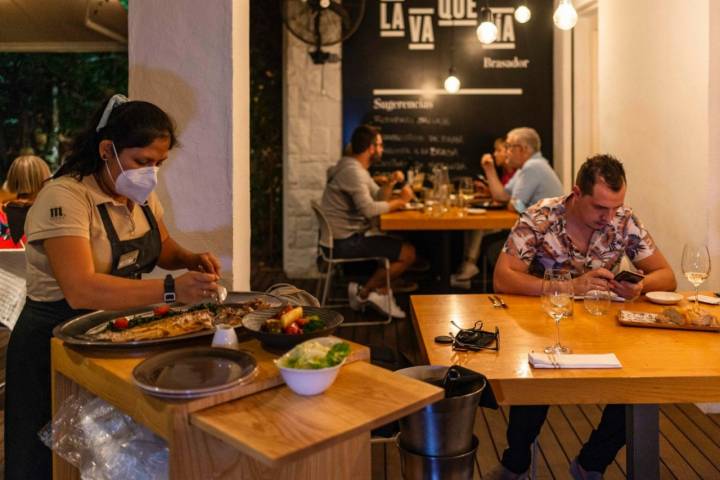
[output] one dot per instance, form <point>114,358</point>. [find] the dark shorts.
<point>359,245</point>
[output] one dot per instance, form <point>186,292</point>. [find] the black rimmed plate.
<point>487,205</point>
<point>74,331</point>
<point>282,341</point>
<point>194,372</point>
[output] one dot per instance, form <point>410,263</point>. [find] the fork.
<point>495,303</point>
<point>500,302</point>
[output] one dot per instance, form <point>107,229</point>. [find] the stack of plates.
<point>194,372</point>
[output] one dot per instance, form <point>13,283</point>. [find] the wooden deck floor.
<point>689,439</point>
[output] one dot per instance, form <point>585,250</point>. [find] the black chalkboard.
<point>403,50</point>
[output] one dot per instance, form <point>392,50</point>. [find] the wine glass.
<point>696,266</point>
<point>557,301</point>
<point>466,189</point>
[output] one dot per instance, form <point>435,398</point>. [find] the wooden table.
<point>446,223</point>
<point>259,430</point>
<point>658,365</point>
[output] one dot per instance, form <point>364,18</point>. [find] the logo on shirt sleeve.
<point>56,212</point>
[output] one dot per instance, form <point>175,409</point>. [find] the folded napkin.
<point>706,299</point>
<point>572,360</point>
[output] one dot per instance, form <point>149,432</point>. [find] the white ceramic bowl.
<point>664,298</point>
<point>309,382</point>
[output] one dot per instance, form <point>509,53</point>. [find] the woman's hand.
<point>204,262</point>
<point>196,287</point>
<point>487,162</point>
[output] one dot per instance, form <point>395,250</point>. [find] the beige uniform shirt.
<point>66,207</point>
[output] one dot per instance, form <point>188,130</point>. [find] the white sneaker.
<point>467,271</point>
<point>455,282</point>
<point>386,304</point>
<point>356,303</point>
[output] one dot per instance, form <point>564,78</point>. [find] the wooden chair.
<point>325,252</point>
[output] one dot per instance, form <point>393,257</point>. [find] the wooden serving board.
<point>626,318</point>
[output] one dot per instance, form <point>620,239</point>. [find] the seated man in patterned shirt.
<point>586,232</point>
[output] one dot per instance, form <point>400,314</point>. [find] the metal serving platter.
<point>73,331</point>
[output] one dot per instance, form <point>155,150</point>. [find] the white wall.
<point>192,59</point>
<point>659,113</point>
<point>312,137</point>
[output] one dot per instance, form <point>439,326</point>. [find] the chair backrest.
<point>326,237</point>
<point>293,295</point>
<point>16,214</point>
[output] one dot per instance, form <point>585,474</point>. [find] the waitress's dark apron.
<point>27,401</point>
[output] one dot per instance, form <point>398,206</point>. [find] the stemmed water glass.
<point>557,301</point>
<point>696,266</point>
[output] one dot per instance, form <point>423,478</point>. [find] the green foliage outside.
<point>46,97</point>
<point>266,130</point>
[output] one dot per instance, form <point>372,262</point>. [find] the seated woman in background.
<point>473,238</point>
<point>26,176</point>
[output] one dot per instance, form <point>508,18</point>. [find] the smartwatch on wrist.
<point>169,285</point>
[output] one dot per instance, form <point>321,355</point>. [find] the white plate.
<point>664,298</point>
<point>705,299</point>
<point>613,297</point>
<point>475,211</point>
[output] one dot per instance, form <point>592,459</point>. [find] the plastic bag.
<point>104,443</point>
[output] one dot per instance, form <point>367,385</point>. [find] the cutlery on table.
<point>500,301</point>
<point>495,303</point>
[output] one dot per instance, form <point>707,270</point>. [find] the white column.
<point>312,132</point>
<point>192,59</point>
<point>658,112</point>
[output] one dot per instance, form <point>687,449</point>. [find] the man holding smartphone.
<point>586,232</point>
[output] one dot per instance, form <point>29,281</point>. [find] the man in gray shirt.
<point>352,201</point>
<point>534,180</point>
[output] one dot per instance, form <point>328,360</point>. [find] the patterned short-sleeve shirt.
<point>540,239</point>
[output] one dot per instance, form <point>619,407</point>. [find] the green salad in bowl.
<point>312,366</point>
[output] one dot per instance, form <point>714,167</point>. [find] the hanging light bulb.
<point>522,14</point>
<point>487,30</point>
<point>452,83</point>
<point>565,16</point>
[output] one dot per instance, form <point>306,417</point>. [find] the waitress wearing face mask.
<point>93,230</point>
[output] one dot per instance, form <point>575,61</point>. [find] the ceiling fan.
<point>322,22</point>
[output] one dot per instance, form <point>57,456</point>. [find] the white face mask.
<point>136,183</point>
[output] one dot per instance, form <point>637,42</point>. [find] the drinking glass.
<point>466,190</point>
<point>557,301</point>
<point>696,266</point>
<point>597,302</point>
<point>417,184</point>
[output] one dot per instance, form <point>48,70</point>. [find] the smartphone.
<point>628,276</point>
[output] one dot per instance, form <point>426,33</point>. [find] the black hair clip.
<point>475,338</point>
